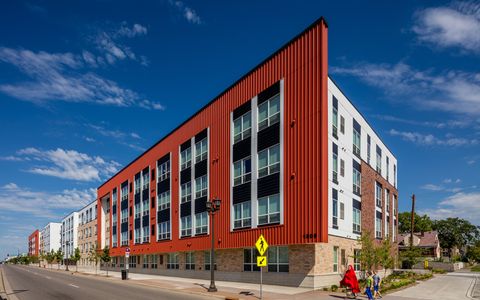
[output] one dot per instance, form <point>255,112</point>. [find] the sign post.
<point>262,247</point>
<point>127,256</point>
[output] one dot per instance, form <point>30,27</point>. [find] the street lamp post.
<point>212,206</point>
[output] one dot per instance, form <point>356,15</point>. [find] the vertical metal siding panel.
<point>302,65</point>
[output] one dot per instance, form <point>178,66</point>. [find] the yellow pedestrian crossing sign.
<point>261,261</point>
<point>261,245</point>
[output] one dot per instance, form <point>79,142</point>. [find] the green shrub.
<point>334,287</point>
<point>325,289</point>
<point>439,271</point>
<point>476,268</point>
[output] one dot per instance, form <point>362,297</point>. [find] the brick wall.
<point>369,177</point>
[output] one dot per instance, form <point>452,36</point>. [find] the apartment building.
<point>289,157</point>
<point>34,243</point>
<point>362,183</point>
<point>50,237</point>
<point>69,234</point>
<point>87,232</point>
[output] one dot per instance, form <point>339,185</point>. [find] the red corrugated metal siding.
<point>303,66</point>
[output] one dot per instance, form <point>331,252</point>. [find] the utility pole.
<point>412,221</point>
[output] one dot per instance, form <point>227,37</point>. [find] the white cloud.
<point>59,76</point>
<point>187,12</point>
<point>464,205</point>
<point>431,140</point>
<point>457,25</point>
<point>68,164</point>
<point>432,187</point>
<point>451,91</point>
<point>121,137</point>
<point>14,198</point>
<point>447,180</point>
<point>439,125</point>
<point>136,30</point>
<point>108,43</point>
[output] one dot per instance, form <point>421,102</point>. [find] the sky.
<point>87,86</point>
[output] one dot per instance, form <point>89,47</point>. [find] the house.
<point>428,241</point>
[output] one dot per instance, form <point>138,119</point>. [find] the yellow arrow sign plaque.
<point>261,261</point>
<point>261,245</point>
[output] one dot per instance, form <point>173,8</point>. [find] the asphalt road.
<point>38,284</point>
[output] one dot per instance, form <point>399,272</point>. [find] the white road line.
<point>75,286</point>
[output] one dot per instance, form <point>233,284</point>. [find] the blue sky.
<point>86,87</point>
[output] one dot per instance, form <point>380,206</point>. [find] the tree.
<point>105,257</point>
<point>94,256</point>
<point>410,257</point>
<point>473,252</point>
<point>59,257</point>
<point>50,257</point>
<point>367,256</point>
<point>421,223</point>
<point>456,232</point>
<point>76,257</point>
<point>384,255</point>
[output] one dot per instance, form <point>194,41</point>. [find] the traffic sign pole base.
<point>212,288</point>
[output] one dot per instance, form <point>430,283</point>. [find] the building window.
<point>186,158</point>
<point>242,215</point>
<point>242,127</point>
<point>146,234</point>
<point>138,236</point>
<point>250,260</point>
<point>342,211</point>
<point>201,223</point>
<point>379,160</point>
<point>201,185</point>
<point>378,194</point>
<point>335,164</point>
<point>356,138</point>
<point>335,118</point>
<point>201,150</point>
<point>342,124</point>
<point>269,161</point>
<point>343,257</point>
<point>124,216</point>
<point>164,170</point>
<point>278,259</point>
<point>378,227</point>
<point>186,226</point>
<point>163,200</point>
<point>186,192</point>
<point>163,230</point>
<point>207,261</point>
<point>172,262</point>
<point>269,112</point>
<point>388,167</point>
<point>395,175</point>
<point>342,168</point>
<point>138,211</point>
<point>369,146</point>
<point>189,261</point>
<point>137,183</point>
<point>394,205</point>
<point>357,220</point>
<point>145,261</point>
<point>387,200</point>
<point>145,208</point>
<point>124,191</point>
<point>269,209</point>
<point>114,240</point>
<point>356,260</point>
<point>335,259</point>
<point>146,180</point>
<point>124,238</point>
<point>242,171</point>
<point>153,261</point>
<point>357,178</point>
<point>335,208</point>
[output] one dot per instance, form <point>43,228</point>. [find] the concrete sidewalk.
<point>226,289</point>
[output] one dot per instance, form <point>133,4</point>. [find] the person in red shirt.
<point>350,281</point>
